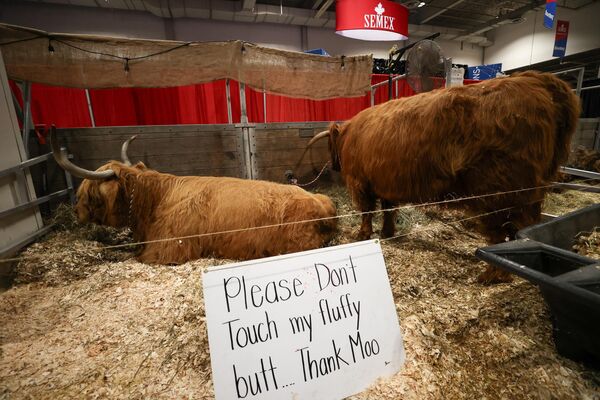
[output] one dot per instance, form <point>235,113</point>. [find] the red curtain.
<point>195,104</point>
<point>64,107</point>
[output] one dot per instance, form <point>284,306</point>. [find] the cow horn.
<point>317,137</point>
<point>124,148</point>
<point>61,159</point>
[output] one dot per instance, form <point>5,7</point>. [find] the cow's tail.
<point>567,110</point>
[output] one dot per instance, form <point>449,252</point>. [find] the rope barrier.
<point>349,215</point>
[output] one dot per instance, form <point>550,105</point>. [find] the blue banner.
<point>320,52</point>
<point>483,72</point>
<point>549,14</point>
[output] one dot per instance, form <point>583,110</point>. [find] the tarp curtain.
<point>195,104</point>
<point>94,62</point>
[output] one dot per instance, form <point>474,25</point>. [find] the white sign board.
<point>320,324</point>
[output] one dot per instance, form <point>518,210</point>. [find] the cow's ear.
<point>334,133</point>
<point>110,191</point>
<point>140,165</point>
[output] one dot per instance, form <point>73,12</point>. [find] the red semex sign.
<point>371,20</point>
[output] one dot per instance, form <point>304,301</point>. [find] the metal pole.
<point>18,109</point>
<point>590,88</point>
<point>383,83</point>
<point>397,93</point>
<point>91,111</point>
<point>448,68</point>
<point>27,119</point>
<point>566,71</point>
<point>228,90</point>
<point>264,103</point>
<point>244,112</point>
<point>372,97</point>
<point>390,88</point>
<point>597,137</point>
<point>580,81</point>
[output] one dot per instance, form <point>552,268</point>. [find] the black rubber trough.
<point>569,282</point>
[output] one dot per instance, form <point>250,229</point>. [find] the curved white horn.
<point>61,159</point>
<point>124,148</point>
<point>317,137</point>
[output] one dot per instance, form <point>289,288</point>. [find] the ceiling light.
<point>421,4</point>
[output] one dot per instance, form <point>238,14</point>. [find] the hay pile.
<point>588,244</point>
<point>129,330</point>
<point>563,202</point>
<point>584,158</point>
<point>72,251</point>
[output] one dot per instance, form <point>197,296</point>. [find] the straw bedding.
<point>87,323</point>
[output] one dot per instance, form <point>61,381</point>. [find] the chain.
<point>131,198</point>
<point>314,180</point>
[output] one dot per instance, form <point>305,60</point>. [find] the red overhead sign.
<point>371,20</point>
<point>560,41</point>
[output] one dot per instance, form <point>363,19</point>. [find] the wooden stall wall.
<point>278,147</point>
<point>179,149</point>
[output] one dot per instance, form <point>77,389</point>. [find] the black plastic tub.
<point>569,283</point>
<point>562,232</point>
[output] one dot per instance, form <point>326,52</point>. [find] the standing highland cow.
<point>499,135</point>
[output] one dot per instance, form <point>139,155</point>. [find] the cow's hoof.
<point>363,235</point>
<point>494,275</point>
<point>385,234</point>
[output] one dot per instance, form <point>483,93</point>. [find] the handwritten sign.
<point>320,324</point>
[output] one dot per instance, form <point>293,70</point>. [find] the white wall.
<point>336,45</point>
<point>284,37</point>
<point>64,19</point>
<point>529,43</point>
<point>58,18</point>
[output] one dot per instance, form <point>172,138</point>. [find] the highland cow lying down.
<point>500,135</point>
<point>161,206</point>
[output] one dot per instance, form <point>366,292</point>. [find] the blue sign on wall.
<point>549,14</point>
<point>483,72</point>
<point>320,52</point>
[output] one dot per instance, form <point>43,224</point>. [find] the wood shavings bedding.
<point>92,326</point>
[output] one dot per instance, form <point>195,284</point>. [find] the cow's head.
<point>104,195</point>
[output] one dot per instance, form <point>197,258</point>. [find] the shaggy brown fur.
<point>167,206</point>
<point>499,135</point>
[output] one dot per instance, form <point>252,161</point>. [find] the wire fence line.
<point>348,215</point>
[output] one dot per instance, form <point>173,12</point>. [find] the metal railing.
<point>19,171</point>
<point>580,73</point>
<point>376,86</point>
